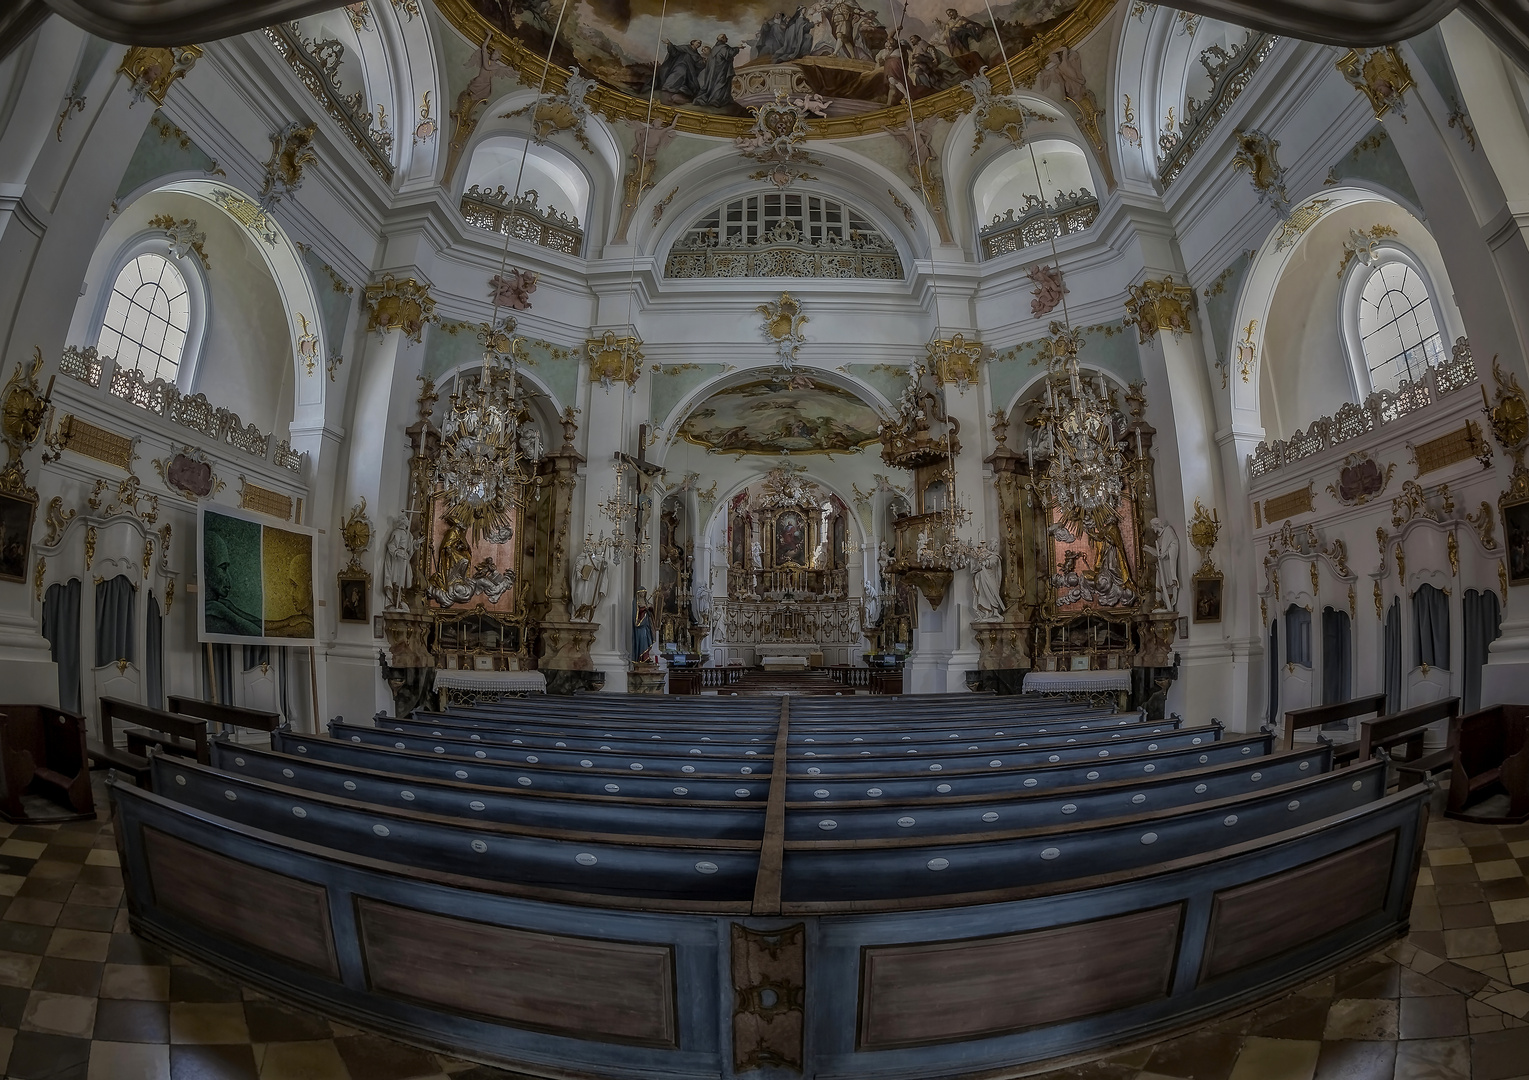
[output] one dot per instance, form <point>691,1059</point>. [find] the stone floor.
<point>83,999</point>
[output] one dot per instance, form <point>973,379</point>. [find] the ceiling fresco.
<point>857,56</point>
<point>765,418</point>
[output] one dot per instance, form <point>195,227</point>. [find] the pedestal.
<point>645,679</point>
<point>565,646</point>
<point>409,669</point>
<point>1003,645</point>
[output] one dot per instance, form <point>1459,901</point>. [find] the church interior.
<point>579,540</point>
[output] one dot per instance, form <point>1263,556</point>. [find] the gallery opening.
<point>676,540</point>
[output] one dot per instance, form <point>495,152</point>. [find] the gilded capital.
<point>1160,305</point>
<point>393,304</point>
<point>614,358</point>
<point>956,361</point>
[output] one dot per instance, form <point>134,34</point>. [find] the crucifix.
<point>644,473</point>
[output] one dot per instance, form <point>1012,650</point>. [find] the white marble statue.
<point>756,550</point>
<point>398,564</point>
<point>819,559</point>
<point>700,605</point>
<point>987,585</point>
<point>871,605</point>
<point>589,584</point>
<point>883,564</point>
<point>1166,550</point>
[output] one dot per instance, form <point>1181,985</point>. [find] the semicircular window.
<point>775,234</point>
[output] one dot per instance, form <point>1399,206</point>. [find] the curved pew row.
<point>436,722</point>
<point>671,760</point>
<point>1011,775</point>
<point>1032,807</point>
<point>679,870</point>
<point>888,743</point>
<point>683,763</point>
<point>481,770</point>
<point>900,758</point>
<point>517,806</point>
<point>615,735</point>
<point>902,868</point>
<point>874,991</point>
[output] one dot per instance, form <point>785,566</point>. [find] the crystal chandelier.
<point>1076,425</point>
<point>488,447</point>
<point>620,507</point>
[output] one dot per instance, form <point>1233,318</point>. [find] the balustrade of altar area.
<point>796,582</point>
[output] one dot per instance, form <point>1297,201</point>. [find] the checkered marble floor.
<point>81,998</point>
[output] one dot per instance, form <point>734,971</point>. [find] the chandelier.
<point>619,507</point>
<point>489,449</point>
<point>1076,426</point>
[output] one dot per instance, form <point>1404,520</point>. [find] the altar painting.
<point>720,58</point>
<point>1095,560</point>
<point>473,557</point>
<point>790,539</point>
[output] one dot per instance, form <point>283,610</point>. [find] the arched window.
<point>148,317</point>
<point>1398,325</point>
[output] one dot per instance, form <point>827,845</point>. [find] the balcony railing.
<point>317,65</point>
<point>784,252</point>
<point>1379,409</point>
<point>1231,72</point>
<point>1039,223</point>
<point>191,411</point>
<point>523,218</point>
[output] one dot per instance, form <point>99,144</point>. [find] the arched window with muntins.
<point>147,318</point>
<point>1398,325</point>
<point>784,234</point>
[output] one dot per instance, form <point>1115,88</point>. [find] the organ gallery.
<point>871,538</point>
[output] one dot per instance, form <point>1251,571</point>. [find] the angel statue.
<point>1166,551</point>
<point>398,564</point>
<point>987,584</point>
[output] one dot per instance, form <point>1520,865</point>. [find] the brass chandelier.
<point>489,450</point>
<point>1086,468</point>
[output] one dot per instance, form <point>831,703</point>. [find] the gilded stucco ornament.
<point>307,345</point>
<point>23,405</point>
<point>1204,531</point>
<point>780,128</point>
<point>998,115</point>
<point>1380,601</point>
<point>356,534</point>
<point>393,304</point>
<point>1485,524</point>
<point>614,358</point>
<point>1247,351</point>
<point>151,71</point>
<point>56,520</point>
<point>291,154</point>
<point>1160,305</point>
<point>563,111</point>
<point>1258,156</point>
<point>1381,75</point>
<point>1361,245</point>
<point>955,361</point>
<point>1360,479</point>
<point>184,238</point>
<point>782,327</point>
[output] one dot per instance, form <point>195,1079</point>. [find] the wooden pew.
<point>1491,754</point>
<point>1318,715</point>
<point>169,732</point>
<point>42,752</point>
<point>1407,729</point>
<point>227,715</point>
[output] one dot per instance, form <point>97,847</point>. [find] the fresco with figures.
<point>765,418</point>
<point>842,57</point>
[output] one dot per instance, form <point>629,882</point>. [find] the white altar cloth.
<point>783,663</point>
<point>504,682</point>
<point>1076,682</point>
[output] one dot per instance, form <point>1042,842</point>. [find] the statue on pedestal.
<point>589,584</point>
<point>987,584</point>
<point>398,564</point>
<point>1166,550</point>
<point>642,628</point>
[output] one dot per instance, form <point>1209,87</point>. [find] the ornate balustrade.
<point>1379,409</point>
<point>764,623</point>
<point>191,411</point>
<point>799,583</point>
<point>1231,72</point>
<point>1039,223</point>
<point>317,66</point>
<point>523,218</point>
<point>783,252</point>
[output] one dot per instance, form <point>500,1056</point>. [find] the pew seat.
<point>1490,758</point>
<point>156,728</point>
<point>42,753</point>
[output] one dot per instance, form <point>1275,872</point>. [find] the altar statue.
<point>642,628</point>
<point>987,584</point>
<point>1166,551</point>
<point>589,584</point>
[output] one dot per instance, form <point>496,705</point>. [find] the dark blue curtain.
<point>114,621</point>
<point>218,682</point>
<point>1483,625</point>
<point>1337,652</point>
<point>1430,622</point>
<point>255,655</point>
<point>1393,656</point>
<point>61,626</point>
<point>1274,716</point>
<point>154,654</point>
<point>1298,635</point>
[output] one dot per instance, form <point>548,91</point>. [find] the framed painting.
<point>790,539</point>
<point>355,596</point>
<point>1515,527</point>
<point>1207,592</point>
<point>16,517</point>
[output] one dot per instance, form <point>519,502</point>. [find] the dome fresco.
<point>718,60</point>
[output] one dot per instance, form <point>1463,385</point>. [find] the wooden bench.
<point>1406,730</point>
<point>42,752</point>
<point>227,715</point>
<point>1491,754</point>
<point>1318,715</point>
<point>173,734</point>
